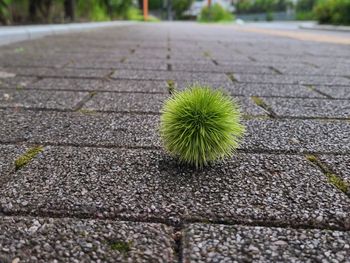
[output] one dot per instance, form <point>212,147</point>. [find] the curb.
<point>326,28</point>
<point>11,34</point>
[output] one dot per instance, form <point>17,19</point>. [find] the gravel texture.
<point>338,92</point>
<point>338,164</point>
<point>140,184</point>
<point>28,239</point>
<point>9,153</point>
<point>292,79</point>
<point>314,108</point>
<point>220,243</point>
<point>16,83</point>
<point>60,100</point>
<point>68,84</point>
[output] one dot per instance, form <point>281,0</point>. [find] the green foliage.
<point>305,5</point>
<point>261,6</point>
<point>27,157</point>
<point>121,246</point>
<point>269,16</point>
<point>335,12</point>
<point>215,13</point>
<point>304,15</point>
<point>5,14</point>
<point>135,14</point>
<point>200,125</point>
<point>181,6</point>
<point>155,4</point>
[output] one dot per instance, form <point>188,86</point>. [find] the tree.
<point>69,10</point>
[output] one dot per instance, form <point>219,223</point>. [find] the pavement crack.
<point>84,100</point>
<point>262,104</point>
<point>332,177</point>
<point>312,88</point>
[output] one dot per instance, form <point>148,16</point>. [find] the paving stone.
<point>220,243</point>
<point>68,84</point>
<point>119,65</point>
<point>339,164</point>
<point>87,128</point>
<point>79,128</point>
<point>61,100</point>
<point>167,75</point>
<point>65,72</point>
<point>127,102</point>
<point>272,90</point>
<point>297,136</point>
<point>322,108</point>
<point>292,79</point>
<point>8,155</point>
<point>144,184</point>
<point>16,82</point>
<point>29,239</point>
<point>149,86</point>
<point>338,92</point>
<point>149,103</point>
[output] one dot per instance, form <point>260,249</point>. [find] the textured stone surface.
<point>28,239</point>
<point>9,154</point>
<point>149,103</point>
<point>219,243</point>
<point>338,164</point>
<point>322,108</point>
<point>148,184</point>
<point>16,83</point>
<point>272,90</point>
<point>292,79</point>
<point>297,136</point>
<point>61,100</point>
<point>339,92</point>
<point>68,84</point>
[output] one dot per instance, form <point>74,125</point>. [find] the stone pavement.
<point>83,176</point>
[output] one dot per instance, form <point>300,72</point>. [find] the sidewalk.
<point>81,113</point>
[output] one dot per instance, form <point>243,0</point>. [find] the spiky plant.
<point>200,125</point>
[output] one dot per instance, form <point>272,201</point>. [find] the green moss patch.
<point>332,178</point>
<point>121,246</point>
<point>27,157</point>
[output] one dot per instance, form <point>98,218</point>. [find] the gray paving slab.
<point>93,128</point>
<point>60,100</point>
<point>150,103</point>
<point>8,155</point>
<point>339,92</point>
<point>145,184</point>
<point>338,164</point>
<point>127,102</point>
<point>318,108</point>
<point>297,136</point>
<point>61,72</point>
<point>68,84</point>
<point>220,243</point>
<point>119,65</point>
<point>16,82</point>
<point>292,79</point>
<point>166,75</point>
<point>273,90</point>
<point>29,239</point>
<point>149,86</point>
<point>79,128</point>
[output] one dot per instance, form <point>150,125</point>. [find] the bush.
<point>335,12</point>
<point>181,6</point>
<point>215,13</point>
<point>200,125</point>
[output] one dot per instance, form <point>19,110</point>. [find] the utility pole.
<point>209,3</point>
<point>145,10</point>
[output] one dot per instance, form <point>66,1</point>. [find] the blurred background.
<point>14,12</point>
